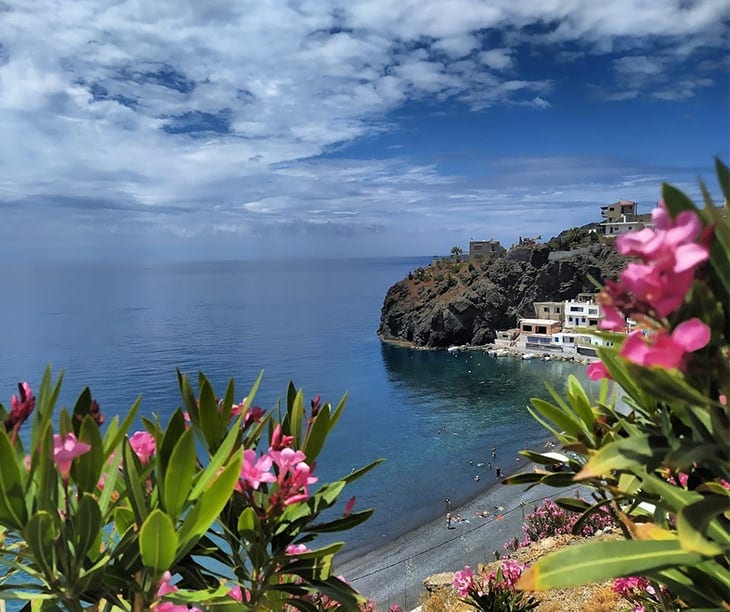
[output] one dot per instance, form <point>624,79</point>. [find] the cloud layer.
<point>230,121</point>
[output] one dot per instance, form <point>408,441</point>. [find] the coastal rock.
<point>453,302</point>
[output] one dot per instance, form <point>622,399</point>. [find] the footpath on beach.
<point>394,573</point>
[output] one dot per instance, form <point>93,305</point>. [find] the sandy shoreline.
<point>394,572</point>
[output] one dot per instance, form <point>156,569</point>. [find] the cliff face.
<point>453,303</point>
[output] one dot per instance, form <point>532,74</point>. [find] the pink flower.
<point>278,441</point>
<point>235,593</point>
<point>255,471</point>
<point>463,580</point>
<point>20,409</point>
<point>666,350</point>
<point>144,446</point>
<point>286,458</point>
<point>299,483</point>
<point>596,370</point>
<point>349,506</point>
<point>165,587</point>
<point>296,549</point>
<point>65,450</point>
<point>511,571</point>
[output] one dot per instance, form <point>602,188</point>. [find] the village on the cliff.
<point>562,329</point>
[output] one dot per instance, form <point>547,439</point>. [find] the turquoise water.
<point>124,328</point>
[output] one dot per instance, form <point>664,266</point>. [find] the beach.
<point>394,572</point>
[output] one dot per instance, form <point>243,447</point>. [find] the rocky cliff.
<point>465,302</point>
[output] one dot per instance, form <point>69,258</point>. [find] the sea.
<point>434,416</point>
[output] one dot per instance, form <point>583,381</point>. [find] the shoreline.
<point>493,350</point>
<point>393,573</point>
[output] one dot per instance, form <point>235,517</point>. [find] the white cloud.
<point>97,98</point>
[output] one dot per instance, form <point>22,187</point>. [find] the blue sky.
<point>219,129</point>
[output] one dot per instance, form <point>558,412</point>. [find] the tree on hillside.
<point>456,253</point>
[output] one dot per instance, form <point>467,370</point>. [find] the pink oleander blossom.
<point>463,581</point>
<point>629,585</point>
<point>597,370</point>
<point>349,506</point>
<point>279,441</point>
<point>658,284</point>
<point>144,446</point>
<point>235,593</point>
<point>65,450</point>
<point>296,549</point>
<point>254,470</point>
<point>663,349</point>
<point>20,407</point>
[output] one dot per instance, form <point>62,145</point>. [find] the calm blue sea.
<point>122,329</point>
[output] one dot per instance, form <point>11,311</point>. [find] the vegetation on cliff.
<point>453,302</point>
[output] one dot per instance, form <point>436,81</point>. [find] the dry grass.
<point>440,597</point>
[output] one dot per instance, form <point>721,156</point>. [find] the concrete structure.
<point>621,217</point>
<point>537,334</point>
<point>486,248</point>
<point>549,310</point>
<point>581,314</point>
<point>586,344</point>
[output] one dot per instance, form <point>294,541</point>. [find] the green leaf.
<point>626,454</point>
<point>157,542</point>
<point>112,442</point>
<point>231,440</point>
<point>248,525</point>
<point>87,527</point>
<point>564,419</point>
<point>188,396</point>
<point>134,484</point>
<point>581,405</point>
<point>359,473</point>
<point>693,522</point>
<point>208,412</point>
<point>179,475</point>
<point>86,468</point>
<point>317,434</point>
<point>598,561</point>
<point>295,413</point>
<point>338,411</point>
<point>13,513</point>
<point>175,429</point>
<point>209,506</point>
<point>40,535</point>
<point>341,524</point>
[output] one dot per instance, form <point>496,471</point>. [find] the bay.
<point>123,328</point>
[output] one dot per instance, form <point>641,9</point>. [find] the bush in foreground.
<point>215,509</point>
<point>661,462</point>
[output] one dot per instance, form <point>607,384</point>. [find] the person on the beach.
<point>447,501</point>
<point>498,471</point>
<point>489,466</point>
<point>448,520</point>
<point>476,477</point>
<point>494,452</point>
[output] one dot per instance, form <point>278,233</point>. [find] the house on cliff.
<point>623,216</point>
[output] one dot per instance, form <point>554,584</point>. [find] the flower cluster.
<point>494,590</point>
<point>202,480</point>
<point>649,290</point>
<point>292,474</point>
<point>642,594</point>
<point>549,519</point>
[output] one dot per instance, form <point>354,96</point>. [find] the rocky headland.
<point>464,301</point>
